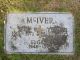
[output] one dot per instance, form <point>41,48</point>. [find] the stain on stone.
<point>13,47</point>
<point>20,31</point>
<point>56,39</point>
<point>14,35</point>
<point>39,31</point>
<point>26,29</point>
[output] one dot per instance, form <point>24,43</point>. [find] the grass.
<point>72,6</point>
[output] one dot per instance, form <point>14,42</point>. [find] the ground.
<point>72,6</point>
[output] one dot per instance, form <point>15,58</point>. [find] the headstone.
<point>40,32</point>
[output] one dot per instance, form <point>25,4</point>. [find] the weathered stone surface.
<point>39,33</point>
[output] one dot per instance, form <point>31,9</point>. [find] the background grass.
<point>73,6</point>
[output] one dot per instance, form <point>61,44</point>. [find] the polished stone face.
<point>47,32</point>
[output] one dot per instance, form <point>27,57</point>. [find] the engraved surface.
<point>39,33</point>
